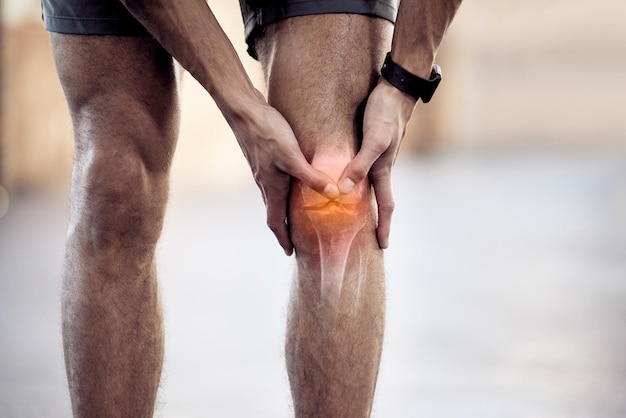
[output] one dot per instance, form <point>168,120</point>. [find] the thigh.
<point>320,70</point>
<point>121,93</point>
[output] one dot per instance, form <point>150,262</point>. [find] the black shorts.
<point>96,17</point>
<point>110,17</point>
<point>258,13</point>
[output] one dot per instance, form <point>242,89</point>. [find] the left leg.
<point>121,93</point>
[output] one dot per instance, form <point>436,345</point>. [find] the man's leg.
<point>320,70</point>
<point>121,93</point>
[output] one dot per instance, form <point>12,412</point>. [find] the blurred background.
<point>507,266</point>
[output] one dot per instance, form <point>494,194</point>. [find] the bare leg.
<point>122,97</point>
<point>320,70</point>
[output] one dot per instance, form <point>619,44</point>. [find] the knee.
<point>118,205</point>
<point>314,218</point>
<point>121,175</point>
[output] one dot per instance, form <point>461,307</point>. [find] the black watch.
<point>409,83</point>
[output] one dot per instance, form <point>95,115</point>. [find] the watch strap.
<point>409,83</point>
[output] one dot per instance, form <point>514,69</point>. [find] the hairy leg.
<point>121,93</point>
<point>320,70</point>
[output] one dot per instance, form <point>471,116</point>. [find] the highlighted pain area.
<point>336,223</point>
<point>335,210</point>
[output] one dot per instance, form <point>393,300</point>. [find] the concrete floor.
<point>506,296</point>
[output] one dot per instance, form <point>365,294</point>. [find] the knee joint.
<point>118,203</point>
<point>314,217</point>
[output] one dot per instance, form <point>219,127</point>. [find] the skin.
<point>125,118</point>
<point>336,318</point>
<point>112,326</point>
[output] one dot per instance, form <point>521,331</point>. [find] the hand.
<point>274,155</point>
<point>386,114</point>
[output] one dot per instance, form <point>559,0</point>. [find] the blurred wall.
<point>515,73</point>
<point>36,128</point>
<point>532,72</point>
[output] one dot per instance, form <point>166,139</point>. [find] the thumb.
<point>357,169</point>
<point>317,180</point>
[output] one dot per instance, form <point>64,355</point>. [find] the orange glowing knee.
<point>333,163</point>
<point>335,223</point>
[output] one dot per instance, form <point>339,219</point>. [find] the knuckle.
<point>387,206</point>
<point>275,225</point>
<point>379,147</point>
<point>359,169</point>
<point>380,173</point>
<point>271,224</point>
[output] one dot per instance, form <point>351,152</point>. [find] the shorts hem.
<point>265,15</point>
<point>94,26</point>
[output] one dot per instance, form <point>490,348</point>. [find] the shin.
<point>337,309</point>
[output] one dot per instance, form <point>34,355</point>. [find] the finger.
<point>276,216</point>
<point>384,199</point>
<point>315,179</point>
<point>358,168</point>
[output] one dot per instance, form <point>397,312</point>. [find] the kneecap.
<point>326,232</point>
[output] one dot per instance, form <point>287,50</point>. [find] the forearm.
<point>188,30</point>
<point>419,30</point>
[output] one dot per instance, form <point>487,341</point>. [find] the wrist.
<point>409,83</point>
<point>420,64</point>
<point>241,105</point>
<point>395,98</point>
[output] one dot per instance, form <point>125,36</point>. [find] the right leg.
<point>121,92</point>
<point>320,70</point>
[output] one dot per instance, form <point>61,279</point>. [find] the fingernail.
<point>331,191</point>
<point>346,185</point>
